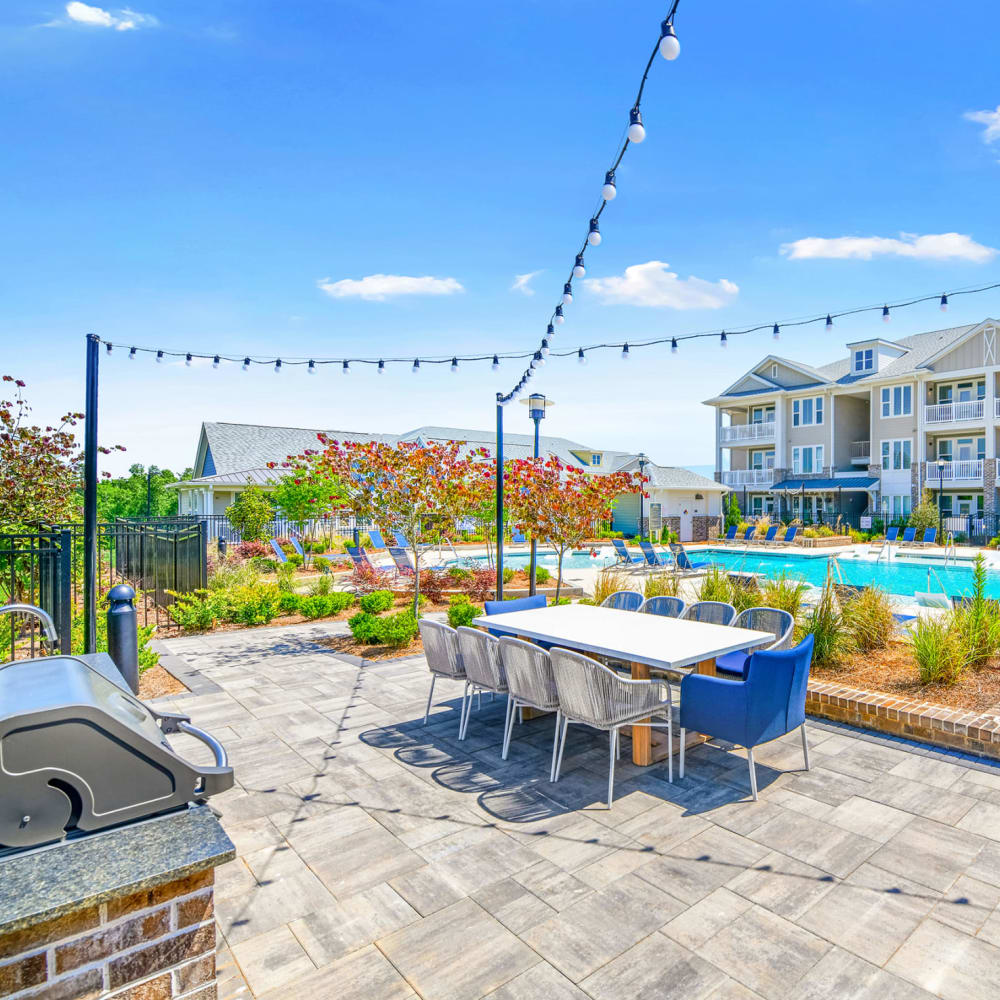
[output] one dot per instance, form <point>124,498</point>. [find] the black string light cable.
<point>669,47</point>
<point>537,357</point>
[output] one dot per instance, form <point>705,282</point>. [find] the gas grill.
<point>80,753</point>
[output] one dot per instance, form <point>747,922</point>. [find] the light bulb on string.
<point>944,303</point>
<point>829,322</point>
<point>131,355</point>
<point>536,360</point>
<point>345,368</point>
<point>108,346</point>
<point>312,368</point>
<point>673,345</point>
<point>567,296</point>
<point>594,236</point>
<point>636,133</point>
<point>550,331</point>
<point>159,357</point>
<point>581,357</point>
<point>609,190</point>
<point>416,366</point>
<point>496,363</point>
<point>381,367</point>
<point>723,342</point>
<point>670,48</point>
<point>559,319</point>
<point>277,367</point>
<point>776,332</point>
<point>187,360</point>
<point>545,348</point>
<point>885,314</point>
<point>215,361</point>
<point>625,354</point>
<point>578,269</point>
<point>454,365</point>
<point>246,364</point>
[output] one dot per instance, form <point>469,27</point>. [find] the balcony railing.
<point>996,407</point>
<point>969,469</point>
<point>739,433</point>
<point>748,477</point>
<point>952,413</point>
<point>861,449</point>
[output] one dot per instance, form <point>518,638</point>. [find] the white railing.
<point>996,407</point>
<point>746,432</point>
<point>954,470</point>
<point>950,413</point>
<point>748,477</point>
<point>861,449</point>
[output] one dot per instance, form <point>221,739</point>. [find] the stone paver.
<point>379,858</point>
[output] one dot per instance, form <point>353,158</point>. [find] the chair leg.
<point>805,745</point>
<point>613,737</point>
<point>479,701</point>
<point>466,705</point>
<point>555,747</point>
<point>753,773</point>
<point>429,698</point>
<point>681,755</point>
<point>670,747</point>
<point>508,725</point>
<point>562,746</point>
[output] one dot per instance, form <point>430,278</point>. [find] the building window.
<point>897,401</point>
<point>807,460</point>
<point>896,454</point>
<point>864,360</point>
<point>899,505</point>
<point>761,459</point>
<point>595,460</point>
<point>806,412</point>
<point>774,371</point>
<point>762,414</point>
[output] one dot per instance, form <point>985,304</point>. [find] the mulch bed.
<point>348,644</point>
<point>158,681</point>
<point>892,672</point>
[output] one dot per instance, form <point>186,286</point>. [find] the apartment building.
<point>867,433</point>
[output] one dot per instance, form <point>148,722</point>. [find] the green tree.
<point>127,496</point>
<point>250,513</point>
<point>733,515</point>
<point>925,515</point>
<point>301,497</point>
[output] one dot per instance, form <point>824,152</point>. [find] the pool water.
<point>897,576</point>
<point>550,560</point>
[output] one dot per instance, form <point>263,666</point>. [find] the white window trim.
<point>887,401</point>
<point>817,459</point>
<point>818,409</point>
<point>892,442</point>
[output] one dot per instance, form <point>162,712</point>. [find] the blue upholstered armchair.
<point>770,702</point>
<point>509,607</point>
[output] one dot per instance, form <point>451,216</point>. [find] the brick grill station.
<point>125,914</point>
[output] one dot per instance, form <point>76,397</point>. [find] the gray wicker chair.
<point>667,607</point>
<point>779,623</point>
<point>711,613</point>
<point>623,600</point>
<point>592,695</point>
<point>442,655</point>
<point>530,685</point>
<point>483,670</point>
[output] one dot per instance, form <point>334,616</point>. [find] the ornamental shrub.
<point>254,605</point>
<point>508,574</point>
<point>925,515</point>
<point>542,575</point>
<point>365,627</point>
<point>481,583</point>
<point>316,606</point>
<point>461,611</point>
<point>432,584</point>
<point>289,603</point>
<point>937,650</point>
<point>340,600</point>
<point>399,629</point>
<point>250,513</point>
<point>251,550</point>
<point>459,573</point>
<point>198,611</point>
<point>868,618</point>
<point>322,564</point>
<point>294,559</point>
<point>376,602</point>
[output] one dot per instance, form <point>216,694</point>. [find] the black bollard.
<point>123,637</point>
<point>222,547</point>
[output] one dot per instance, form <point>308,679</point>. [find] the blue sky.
<point>190,176</point>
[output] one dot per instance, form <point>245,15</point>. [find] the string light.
<point>625,352</point>
<point>215,361</point>
<point>580,357</point>
<point>345,368</point>
<point>559,319</point>
<point>536,360</point>
<point>131,355</point>
<point>454,365</point>
<point>277,367</point>
<point>246,364</point>
<point>944,303</point>
<point>109,348</point>
<point>550,331</point>
<point>885,314</point>
<point>636,133</point>
<point>776,332</point>
<point>594,236</point>
<point>609,190</point>
<point>544,348</point>
<point>723,342</point>
<point>673,345</point>
<point>496,363</point>
<point>159,357</point>
<point>381,367</point>
<point>416,366</point>
<point>187,360</point>
<point>567,298</point>
<point>669,47</point>
<point>829,322</point>
<point>578,269</point>
<point>312,368</point>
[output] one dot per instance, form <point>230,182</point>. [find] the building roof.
<point>671,477</point>
<point>843,483</point>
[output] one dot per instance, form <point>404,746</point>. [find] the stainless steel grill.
<point>79,753</point>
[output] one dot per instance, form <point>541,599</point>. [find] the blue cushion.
<point>732,664</point>
<point>519,604</point>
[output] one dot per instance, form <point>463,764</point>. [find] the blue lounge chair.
<point>297,545</point>
<point>623,554</point>
<point>749,533</point>
<point>682,561</point>
<point>769,535</point>
<point>930,537</point>
<point>402,560</point>
<point>892,534</point>
<point>518,604</point>
<point>279,552</point>
<point>770,702</point>
<point>517,537</point>
<point>378,542</point>
<point>360,559</point>
<point>401,539</point>
<point>790,534</point>
<point>909,536</point>
<point>730,535</point>
<point>652,556</point>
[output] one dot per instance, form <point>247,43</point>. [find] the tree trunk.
<point>559,574</point>
<point>416,580</point>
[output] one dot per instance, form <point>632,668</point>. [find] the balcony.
<point>955,413</point>
<point>746,433</point>
<point>950,471</point>
<point>861,452</point>
<point>996,407</point>
<point>748,477</point>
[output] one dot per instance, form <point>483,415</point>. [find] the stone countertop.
<point>49,881</point>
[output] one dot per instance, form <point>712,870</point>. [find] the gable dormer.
<point>867,357</point>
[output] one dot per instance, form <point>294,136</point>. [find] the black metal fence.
<point>43,566</point>
<point>340,526</point>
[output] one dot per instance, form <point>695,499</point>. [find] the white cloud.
<point>653,284</point>
<point>991,119</point>
<point>97,17</point>
<point>943,246</point>
<point>379,287</point>
<point>522,282</point>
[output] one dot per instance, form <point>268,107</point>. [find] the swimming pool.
<point>898,576</point>
<point>549,559</point>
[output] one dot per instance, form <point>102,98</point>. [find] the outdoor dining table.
<point>649,643</point>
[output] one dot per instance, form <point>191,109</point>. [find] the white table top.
<point>666,643</point>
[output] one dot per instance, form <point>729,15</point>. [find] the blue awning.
<point>826,485</point>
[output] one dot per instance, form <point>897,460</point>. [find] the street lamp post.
<point>643,462</point>
<point>537,405</point>
<point>940,465</point>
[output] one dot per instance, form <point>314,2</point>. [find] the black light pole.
<point>643,462</point>
<point>90,498</point>
<point>499,498</point>
<point>940,465</point>
<point>537,405</point>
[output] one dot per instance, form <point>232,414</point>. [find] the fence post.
<point>123,635</point>
<point>203,554</point>
<point>65,617</point>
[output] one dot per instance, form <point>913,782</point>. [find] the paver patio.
<point>379,858</point>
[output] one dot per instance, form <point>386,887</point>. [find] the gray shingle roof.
<point>670,477</point>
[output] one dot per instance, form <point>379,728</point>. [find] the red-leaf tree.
<point>560,503</point>
<point>408,486</point>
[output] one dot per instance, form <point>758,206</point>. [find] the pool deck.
<point>379,858</point>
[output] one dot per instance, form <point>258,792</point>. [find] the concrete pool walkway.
<point>382,859</point>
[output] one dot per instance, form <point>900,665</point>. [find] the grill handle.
<point>221,757</point>
<point>214,779</point>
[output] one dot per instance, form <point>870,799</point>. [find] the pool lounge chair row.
<point>650,557</point>
<point>770,537</point>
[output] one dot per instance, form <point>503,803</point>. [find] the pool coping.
<point>976,733</point>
